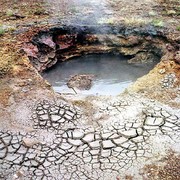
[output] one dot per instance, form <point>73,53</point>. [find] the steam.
<point>81,11</point>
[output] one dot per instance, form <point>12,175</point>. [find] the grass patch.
<point>135,21</point>
<point>107,21</point>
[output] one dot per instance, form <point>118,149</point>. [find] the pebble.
<point>162,71</point>
<point>29,142</point>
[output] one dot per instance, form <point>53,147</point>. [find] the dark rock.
<point>177,57</point>
<point>31,50</point>
<point>82,81</point>
<point>143,57</point>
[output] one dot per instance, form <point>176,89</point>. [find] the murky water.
<point>112,73</point>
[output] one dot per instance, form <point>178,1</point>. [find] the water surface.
<point>112,73</point>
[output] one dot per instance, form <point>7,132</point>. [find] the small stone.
<point>165,80</point>
<point>19,174</point>
<point>162,71</point>
<point>29,142</point>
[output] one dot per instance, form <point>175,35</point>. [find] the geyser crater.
<point>115,56</point>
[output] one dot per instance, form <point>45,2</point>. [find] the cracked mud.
<point>64,146</point>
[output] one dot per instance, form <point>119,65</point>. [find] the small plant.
<point>107,21</point>
<point>171,12</point>
<point>178,28</point>
<point>2,30</point>
<point>158,23</point>
<point>39,11</point>
<point>9,12</point>
<point>152,13</point>
<point>135,21</point>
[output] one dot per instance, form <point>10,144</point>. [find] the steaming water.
<point>112,73</point>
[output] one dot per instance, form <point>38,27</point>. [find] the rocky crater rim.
<point>62,43</point>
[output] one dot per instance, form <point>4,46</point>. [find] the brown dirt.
<point>168,171</point>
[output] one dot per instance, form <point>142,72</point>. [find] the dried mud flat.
<point>44,135</point>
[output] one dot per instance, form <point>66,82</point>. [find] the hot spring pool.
<point>112,73</point>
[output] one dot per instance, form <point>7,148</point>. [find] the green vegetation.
<point>152,13</point>
<point>135,21</point>
<point>158,23</point>
<point>107,21</point>
<point>9,12</point>
<point>178,28</point>
<point>2,30</point>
